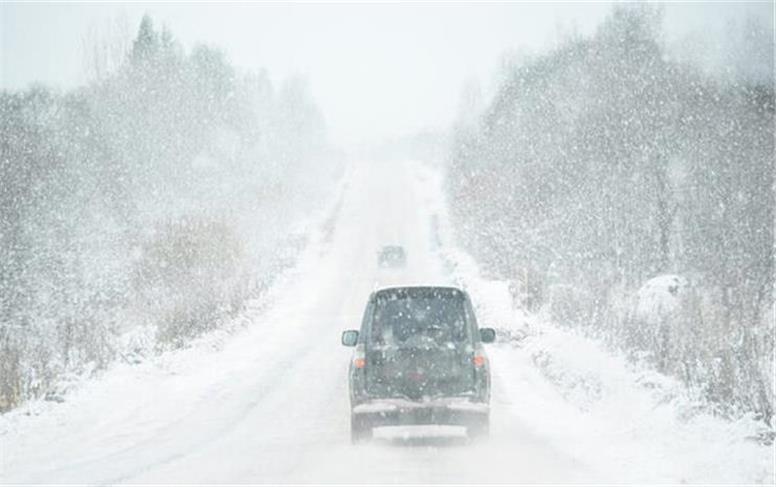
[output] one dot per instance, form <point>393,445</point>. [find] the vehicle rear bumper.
<point>392,412</point>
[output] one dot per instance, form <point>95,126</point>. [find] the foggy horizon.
<point>378,71</point>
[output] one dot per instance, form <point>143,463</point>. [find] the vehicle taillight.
<point>478,360</point>
<point>359,363</point>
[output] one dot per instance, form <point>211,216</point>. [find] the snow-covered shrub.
<point>569,305</point>
<point>189,273</point>
<point>528,289</point>
<point>662,317</point>
<point>11,392</point>
<point>660,297</point>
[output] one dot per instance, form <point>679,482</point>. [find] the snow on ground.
<point>267,402</point>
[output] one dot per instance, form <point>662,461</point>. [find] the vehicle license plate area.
<point>417,416</point>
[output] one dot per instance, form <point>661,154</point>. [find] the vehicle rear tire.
<point>479,429</point>
<point>360,430</point>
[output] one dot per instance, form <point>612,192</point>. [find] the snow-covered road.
<point>268,404</point>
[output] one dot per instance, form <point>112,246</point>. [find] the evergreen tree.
<point>147,42</point>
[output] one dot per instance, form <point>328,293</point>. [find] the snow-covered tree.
<point>604,164</point>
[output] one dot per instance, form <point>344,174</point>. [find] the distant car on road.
<point>392,256</point>
<point>419,359</point>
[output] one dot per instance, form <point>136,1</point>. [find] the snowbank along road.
<point>269,403</point>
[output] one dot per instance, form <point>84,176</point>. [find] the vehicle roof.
<point>418,288</point>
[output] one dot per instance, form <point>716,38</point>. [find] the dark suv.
<point>419,359</point>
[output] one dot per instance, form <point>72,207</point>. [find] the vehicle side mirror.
<point>350,338</point>
<point>487,335</point>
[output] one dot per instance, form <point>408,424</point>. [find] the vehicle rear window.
<point>422,318</point>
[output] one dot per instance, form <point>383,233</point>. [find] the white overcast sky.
<point>376,70</point>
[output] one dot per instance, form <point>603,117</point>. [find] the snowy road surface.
<point>269,403</point>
